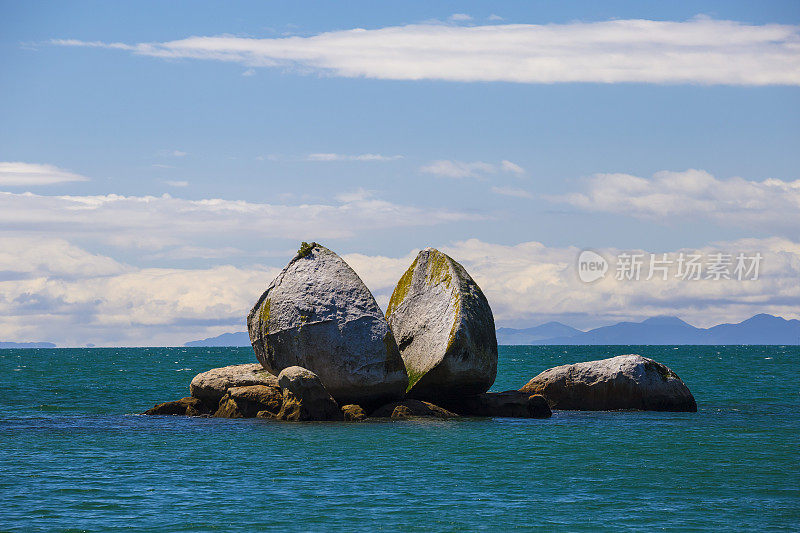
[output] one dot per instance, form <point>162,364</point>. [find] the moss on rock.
<point>305,249</point>
<point>401,290</point>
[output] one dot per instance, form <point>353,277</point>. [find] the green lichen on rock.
<point>438,270</point>
<point>305,249</point>
<point>401,290</point>
<point>264,316</point>
<point>413,377</point>
<point>662,370</point>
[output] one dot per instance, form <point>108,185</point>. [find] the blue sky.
<point>348,139</point>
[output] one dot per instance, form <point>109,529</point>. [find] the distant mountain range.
<point>226,339</point>
<point>9,345</point>
<point>760,329</point>
<point>535,334</point>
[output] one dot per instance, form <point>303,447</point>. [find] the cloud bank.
<point>672,197</point>
<point>701,50</point>
<point>51,290</point>
<point>156,222</point>
<point>18,174</point>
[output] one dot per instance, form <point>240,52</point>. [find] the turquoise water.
<point>74,455</point>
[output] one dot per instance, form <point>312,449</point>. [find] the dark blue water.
<point>74,456</point>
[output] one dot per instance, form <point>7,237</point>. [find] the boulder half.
<point>319,315</point>
<point>444,328</point>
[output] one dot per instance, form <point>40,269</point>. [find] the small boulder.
<point>185,406</point>
<point>318,314</point>
<point>622,382</point>
<point>411,408</point>
<point>353,413</point>
<point>508,404</point>
<point>249,401</point>
<point>444,328</point>
<point>211,386</point>
<point>305,398</point>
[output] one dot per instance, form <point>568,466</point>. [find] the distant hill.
<point>757,330</point>
<point>226,339</point>
<point>535,334</point>
<point>10,345</point>
<point>760,329</point>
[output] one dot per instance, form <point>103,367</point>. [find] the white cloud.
<point>494,17</point>
<point>514,168</point>
<point>476,169</point>
<point>671,197</point>
<point>172,183</point>
<point>512,191</point>
<point>345,157</point>
<point>458,169</point>
<point>460,17</point>
<point>18,174</point>
<point>172,153</point>
<point>51,290</point>
<point>700,50</point>
<point>249,72</point>
<point>530,283</point>
<point>156,222</point>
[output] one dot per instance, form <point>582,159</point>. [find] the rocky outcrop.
<point>622,382</point>
<point>319,315</point>
<point>412,409</point>
<point>444,328</point>
<point>353,413</point>
<point>249,401</point>
<point>305,398</point>
<point>508,404</point>
<point>211,386</point>
<point>185,406</point>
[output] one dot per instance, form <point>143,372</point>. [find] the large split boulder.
<point>622,382</point>
<point>444,328</point>
<point>305,398</point>
<point>211,386</point>
<point>319,315</point>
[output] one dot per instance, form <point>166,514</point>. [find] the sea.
<point>75,454</point>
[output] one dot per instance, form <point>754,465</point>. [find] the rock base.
<point>508,404</point>
<point>412,409</point>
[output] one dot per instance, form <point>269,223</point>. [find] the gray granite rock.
<point>444,328</point>
<point>185,406</point>
<point>353,413</point>
<point>622,382</point>
<point>249,401</point>
<point>508,404</point>
<point>305,398</point>
<point>319,315</point>
<point>211,386</point>
<point>411,408</point>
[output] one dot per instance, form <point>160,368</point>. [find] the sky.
<point>161,162</point>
